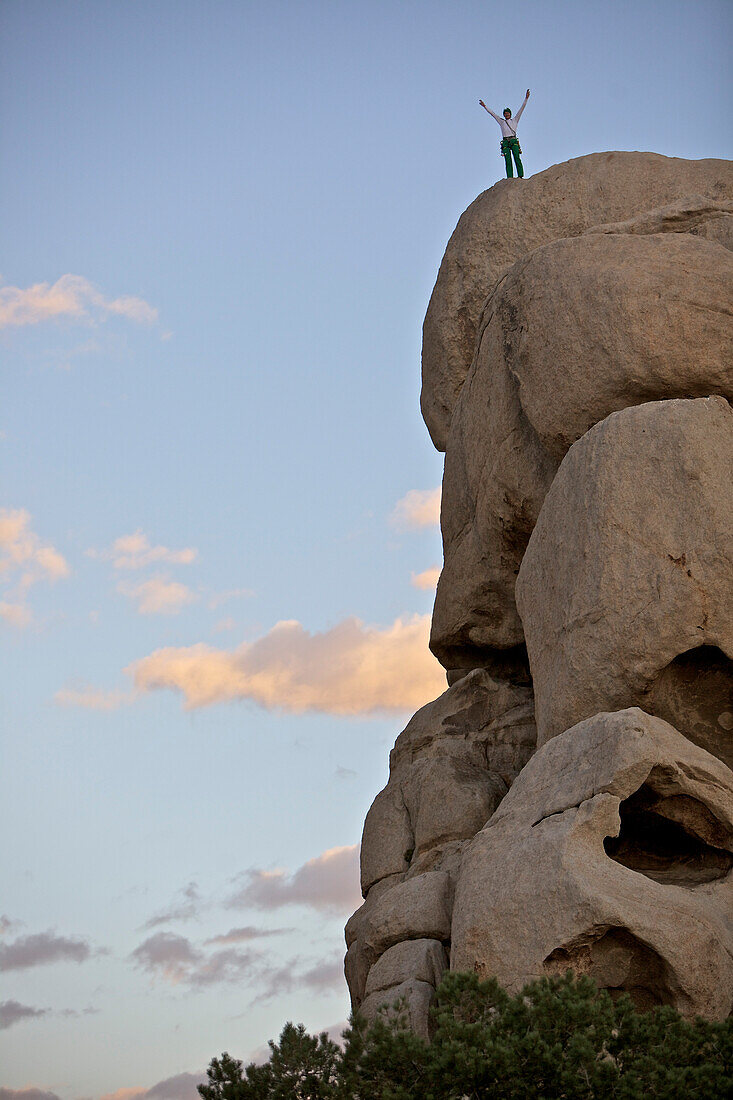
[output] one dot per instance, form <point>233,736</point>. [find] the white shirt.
<point>508,126</point>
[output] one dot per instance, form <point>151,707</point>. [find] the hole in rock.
<point>619,962</point>
<point>673,839</point>
<point>694,693</point>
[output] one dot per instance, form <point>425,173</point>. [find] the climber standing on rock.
<point>509,141</point>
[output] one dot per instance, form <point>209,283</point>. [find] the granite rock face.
<point>647,576</point>
<point>578,329</point>
<point>577,372</point>
<point>510,220</point>
<point>611,854</point>
<point>449,770</point>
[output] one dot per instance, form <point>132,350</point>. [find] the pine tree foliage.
<point>559,1038</point>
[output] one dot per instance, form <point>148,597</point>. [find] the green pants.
<point>510,146</point>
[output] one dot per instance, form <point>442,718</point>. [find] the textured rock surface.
<point>449,770</point>
<point>578,329</point>
<point>611,854</point>
<point>421,960</point>
<point>508,221</point>
<point>590,325</point>
<point>647,572</point>
<point>410,1001</point>
<point>589,455</point>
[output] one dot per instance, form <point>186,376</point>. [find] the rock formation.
<point>568,802</point>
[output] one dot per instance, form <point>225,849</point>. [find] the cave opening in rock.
<point>673,839</point>
<point>694,693</point>
<point>618,961</point>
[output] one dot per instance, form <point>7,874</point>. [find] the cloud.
<point>427,579</point>
<point>72,297</point>
<point>348,670</point>
<point>93,698</point>
<point>40,949</point>
<point>219,598</point>
<point>246,934</point>
<point>329,882</point>
<point>418,508</point>
<point>16,614</point>
<point>12,1012</point>
<point>167,955</point>
<point>24,560</point>
<point>27,1094</point>
<point>124,1094</point>
<point>176,960</point>
<point>324,976</point>
<point>345,773</point>
<point>135,552</point>
<point>158,596</point>
<point>7,924</point>
<point>186,908</point>
<point>180,1087</point>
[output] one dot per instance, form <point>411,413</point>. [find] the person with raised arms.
<point>510,146</point>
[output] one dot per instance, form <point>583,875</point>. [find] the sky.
<point>221,226</point>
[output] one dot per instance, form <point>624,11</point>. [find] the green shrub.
<point>559,1037</point>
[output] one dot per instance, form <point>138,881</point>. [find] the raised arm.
<point>489,110</point>
<point>519,112</point>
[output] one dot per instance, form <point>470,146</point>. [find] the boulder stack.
<point>567,802</point>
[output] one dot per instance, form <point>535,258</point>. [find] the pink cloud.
<point>158,596</point>
<point>72,297</point>
<point>135,551</point>
<point>348,670</point>
<point>24,560</point>
<point>427,579</point>
<point>329,882</point>
<point>418,508</point>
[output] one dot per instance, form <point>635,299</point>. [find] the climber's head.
<point>507,112</point>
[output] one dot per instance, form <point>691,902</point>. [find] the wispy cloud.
<point>329,882</point>
<point>72,297</point>
<point>246,934</point>
<point>124,1094</point>
<point>418,508</point>
<point>427,579</point>
<point>180,1087</point>
<point>24,560</point>
<point>186,906</point>
<point>12,1012</point>
<point>15,614</point>
<point>216,599</point>
<point>135,551</point>
<point>92,698</point>
<point>42,948</point>
<point>29,1093</point>
<point>323,976</point>
<point>176,960</point>
<point>348,670</point>
<point>158,596</point>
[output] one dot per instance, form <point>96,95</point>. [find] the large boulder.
<point>629,570</point>
<point>509,220</point>
<point>593,324</point>
<point>576,330</point>
<point>611,855</point>
<point>449,770</point>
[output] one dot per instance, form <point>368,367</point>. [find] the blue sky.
<point>221,226</point>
